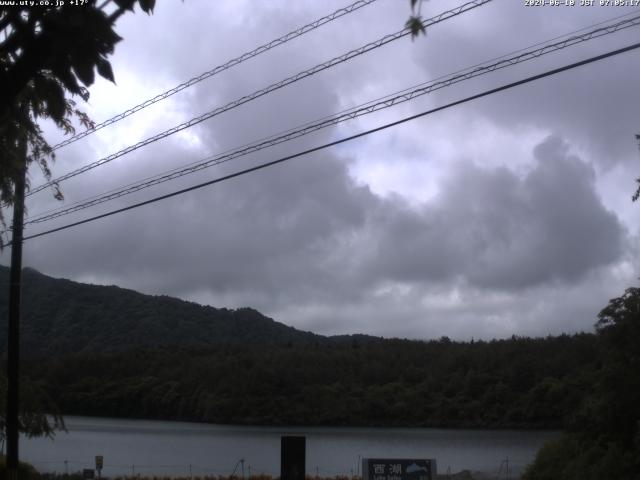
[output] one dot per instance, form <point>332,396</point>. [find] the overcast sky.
<point>508,215</point>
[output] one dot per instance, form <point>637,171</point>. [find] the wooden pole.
<point>13,335</point>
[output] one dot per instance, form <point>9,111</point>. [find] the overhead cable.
<point>220,68</point>
<point>385,102</point>
<point>340,141</point>
<point>264,91</point>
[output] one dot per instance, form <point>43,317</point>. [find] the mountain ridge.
<point>61,316</point>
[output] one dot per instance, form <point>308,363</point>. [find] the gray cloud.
<point>591,105</point>
<point>510,241</point>
<point>306,234</point>
<point>495,230</point>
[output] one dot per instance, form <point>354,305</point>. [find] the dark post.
<point>13,335</point>
<point>292,458</point>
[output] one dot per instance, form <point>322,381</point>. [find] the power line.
<point>264,91</point>
<point>220,68</point>
<point>342,140</point>
<point>385,102</point>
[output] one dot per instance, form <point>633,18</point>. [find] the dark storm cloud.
<point>495,230</point>
<point>272,231</point>
<point>305,232</point>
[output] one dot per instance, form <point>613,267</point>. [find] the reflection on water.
<point>176,448</point>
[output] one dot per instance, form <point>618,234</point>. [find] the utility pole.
<point>13,335</point>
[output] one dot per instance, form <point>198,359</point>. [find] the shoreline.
<point>295,427</point>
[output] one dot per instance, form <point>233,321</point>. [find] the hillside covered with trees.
<point>513,383</point>
<point>61,317</point>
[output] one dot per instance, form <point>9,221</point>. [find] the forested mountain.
<point>62,317</point>
<point>116,352</point>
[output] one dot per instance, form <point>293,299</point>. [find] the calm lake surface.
<point>175,448</point>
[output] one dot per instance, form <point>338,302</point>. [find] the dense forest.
<point>512,383</point>
<point>602,438</point>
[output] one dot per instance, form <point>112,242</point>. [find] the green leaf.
<point>51,94</point>
<point>105,70</point>
<point>147,5</point>
<point>84,71</point>
<point>126,4</point>
<point>415,25</point>
<point>68,80</point>
<point>55,100</point>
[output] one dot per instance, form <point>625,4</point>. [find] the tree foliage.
<point>48,56</point>
<point>603,437</point>
<point>515,383</point>
<point>39,415</point>
<point>415,20</point>
<point>61,317</point>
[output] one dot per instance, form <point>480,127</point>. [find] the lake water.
<point>175,448</point>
